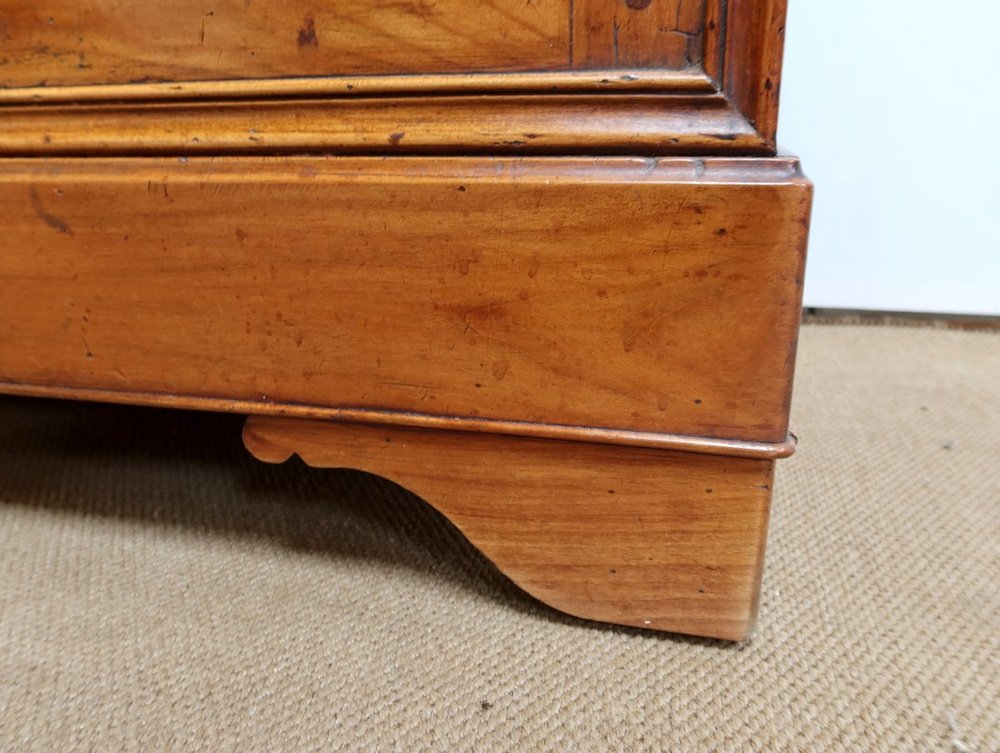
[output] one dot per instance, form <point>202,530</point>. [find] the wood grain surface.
<point>500,124</point>
<point>755,42</point>
<point>645,295</point>
<point>638,33</point>
<point>63,42</point>
<point>129,59</point>
<point>653,539</point>
<point>58,42</point>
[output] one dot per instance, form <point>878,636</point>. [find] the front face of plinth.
<point>623,295</point>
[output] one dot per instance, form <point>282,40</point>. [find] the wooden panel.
<point>648,295</point>
<point>97,51</point>
<point>638,33</point>
<point>658,540</point>
<point>55,42</point>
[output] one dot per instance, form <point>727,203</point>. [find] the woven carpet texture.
<point>162,591</point>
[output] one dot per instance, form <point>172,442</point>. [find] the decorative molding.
<point>737,448</point>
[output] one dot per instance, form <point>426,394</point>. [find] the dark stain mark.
<point>307,34</point>
<point>485,705</point>
<point>638,4</point>
<point>701,273</point>
<point>708,491</point>
<point>612,571</point>
<point>535,265</point>
<point>395,138</point>
<point>721,136</point>
<point>478,386</point>
<point>531,135</point>
<point>768,85</point>
<point>697,401</point>
<point>701,590</point>
<point>46,138</point>
<point>241,234</point>
<point>49,219</point>
<point>461,188</point>
<point>721,232</point>
<point>611,491</point>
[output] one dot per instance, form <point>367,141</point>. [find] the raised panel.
<point>72,42</point>
<point>706,75</point>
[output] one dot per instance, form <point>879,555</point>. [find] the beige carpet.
<point>159,590</point>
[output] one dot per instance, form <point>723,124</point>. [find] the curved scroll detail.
<point>643,537</point>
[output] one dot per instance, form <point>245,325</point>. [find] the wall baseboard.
<point>820,315</point>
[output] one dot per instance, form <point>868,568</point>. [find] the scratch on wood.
<point>49,219</point>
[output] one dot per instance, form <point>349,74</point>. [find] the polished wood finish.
<point>643,295</point>
<point>61,42</point>
<point>535,259</point>
<point>754,42</point>
<point>500,124</point>
<point>533,82</point>
<point>723,57</point>
<point>637,33</point>
<point>659,540</point>
<point>66,42</point>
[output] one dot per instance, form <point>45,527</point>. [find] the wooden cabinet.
<point>535,259</point>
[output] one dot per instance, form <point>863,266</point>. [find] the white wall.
<point>894,108</point>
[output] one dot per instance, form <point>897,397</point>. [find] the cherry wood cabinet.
<point>537,260</point>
